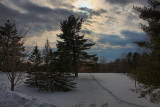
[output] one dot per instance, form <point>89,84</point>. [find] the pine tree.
<point>61,72</point>
<point>72,44</point>
<point>54,79</point>
<point>62,62</point>
<point>151,74</point>
<point>1,51</point>
<point>47,56</point>
<point>148,70</point>
<point>35,58</point>
<point>12,51</point>
<point>35,70</point>
<point>46,78</point>
<point>46,52</point>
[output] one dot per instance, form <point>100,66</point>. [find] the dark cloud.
<point>55,3</point>
<point>86,32</point>
<point>112,53</point>
<point>87,14</point>
<point>6,12</point>
<point>63,3</point>
<point>112,39</point>
<point>133,36</point>
<point>93,12</point>
<point>82,15</point>
<point>42,18</point>
<point>115,40</point>
<point>125,2</point>
<point>130,38</point>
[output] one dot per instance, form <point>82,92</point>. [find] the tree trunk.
<point>76,73</point>
<point>12,84</point>
<point>75,65</point>
<point>135,83</point>
<point>75,69</point>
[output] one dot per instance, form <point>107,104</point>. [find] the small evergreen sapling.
<point>34,72</point>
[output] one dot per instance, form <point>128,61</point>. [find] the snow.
<point>93,90</point>
<point>15,99</point>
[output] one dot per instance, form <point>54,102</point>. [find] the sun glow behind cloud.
<point>84,3</point>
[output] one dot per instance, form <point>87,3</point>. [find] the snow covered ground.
<point>93,90</point>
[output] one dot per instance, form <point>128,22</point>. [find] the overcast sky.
<point>112,24</point>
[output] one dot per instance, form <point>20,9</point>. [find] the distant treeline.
<point>130,62</point>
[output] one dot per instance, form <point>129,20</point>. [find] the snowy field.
<point>93,90</point>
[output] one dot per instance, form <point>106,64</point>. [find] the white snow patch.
<point>14,99</point>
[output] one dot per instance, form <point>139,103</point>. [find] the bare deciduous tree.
<point>12,50</point>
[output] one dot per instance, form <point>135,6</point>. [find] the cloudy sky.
<point>112,24</point>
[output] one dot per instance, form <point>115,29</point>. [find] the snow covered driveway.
<point>93,90</point>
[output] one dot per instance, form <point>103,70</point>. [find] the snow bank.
<point>15,99</point>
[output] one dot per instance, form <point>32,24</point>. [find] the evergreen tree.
<point>62,71</point>
<point>12,51</point>
<point>148,70</point>
<point>54,79</point>
<point>135,60</point>
<point>35,58</point>
<point>35,70</point>
<point>72,44</point>
<point>1,51</point>
<point>46,53</point>
<point>151,13</point>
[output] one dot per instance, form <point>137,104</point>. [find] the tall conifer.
<point>72,44</point>
<point>151,74</point>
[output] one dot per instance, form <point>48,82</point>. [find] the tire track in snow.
<point>113,95</point>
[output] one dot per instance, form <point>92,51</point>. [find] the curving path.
<point>113,95</point>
